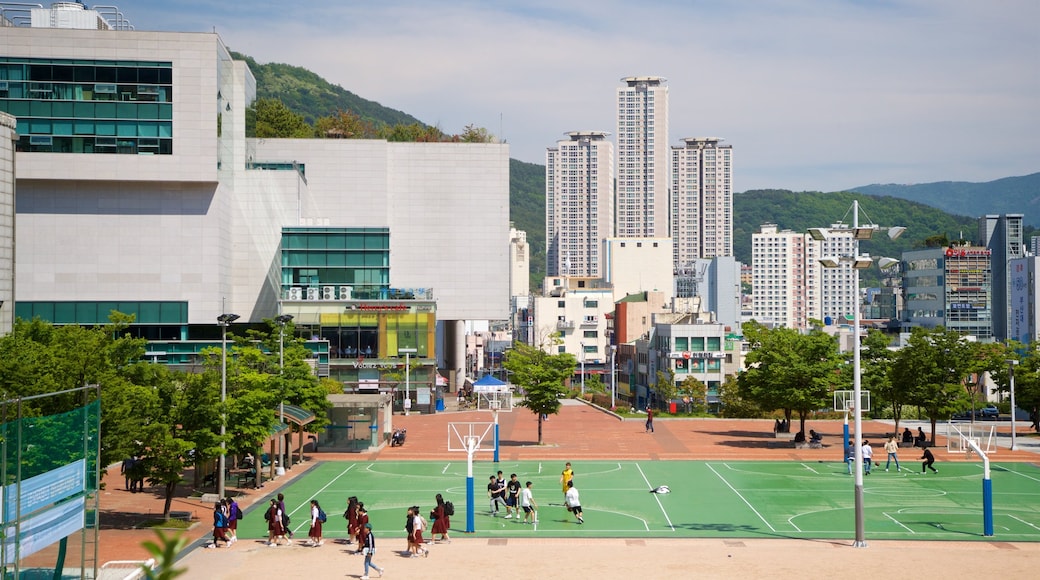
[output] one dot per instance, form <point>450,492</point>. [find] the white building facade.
<point>579,203</point>
<point>702,200</point>
<point>785,277</point>
<point>642,158</point>
<point>639,265</point>
<point>7,139</point>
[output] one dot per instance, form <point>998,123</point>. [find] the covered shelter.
<point>296,418</point>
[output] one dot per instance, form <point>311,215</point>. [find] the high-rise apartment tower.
<point>642,158</point>
<point>702,200</point>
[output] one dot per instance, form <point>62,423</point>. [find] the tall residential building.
<point>785,277</point>
<point>1002,235</point>
<point>837,293</point>
<point>702,200</point>
<point>642,158</point>
<point>579,203</point>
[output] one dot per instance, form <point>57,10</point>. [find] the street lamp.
<point>407,377</point>
<point>224,320</point>
<point>858,263</point>
<point>1011,375</point>
<point>281,320</point>
<point>582,368</point>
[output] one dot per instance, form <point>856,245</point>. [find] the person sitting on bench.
<point>799,437</point>
<point>815,437</point>
<point>908,436</point>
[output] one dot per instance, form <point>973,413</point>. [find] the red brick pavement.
<point>579,432</point>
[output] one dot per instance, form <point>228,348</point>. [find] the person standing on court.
<point>868,456</point>
<point>850,457</point>
<point>649,419</point>
<point>892,448</point>
<point>369,551</point>
<point>441,521</point>
<point>574,502</point>
<point>566,477</point>
<point>513,496</point>
<point>528,504</point>
<point>285,517</point>
<point>929,459</point>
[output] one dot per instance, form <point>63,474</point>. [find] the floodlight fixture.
<point>283,319</point>
<point>887,263</point>
<point>895,231</point>
<point>818,234</point>
<point>226,319</point>
<point>830,261</point>
<point>862,262</point>
<point>864,232</point>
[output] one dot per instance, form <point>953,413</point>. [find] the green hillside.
<point>527,211</point>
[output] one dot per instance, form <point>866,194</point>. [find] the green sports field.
<point>729,499</point>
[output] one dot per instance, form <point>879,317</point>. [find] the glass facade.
<point>89,106</point>
<point>90,313</point>
<point>335,263</point>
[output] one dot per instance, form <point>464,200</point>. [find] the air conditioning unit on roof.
<point>328,292</point>
<point>312,293</point>
<point>295,293</point>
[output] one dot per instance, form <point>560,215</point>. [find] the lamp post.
<point>408,352</point>
<point>281,320</point>
<point>224,320</point>
<point>858,263</point>
<point>613,376</point>
<point>1011,382</point>
<point>582,344</point>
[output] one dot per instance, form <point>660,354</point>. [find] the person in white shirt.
<point>868,456</point>
<point>528,504</point>
<point>892,448</point>
<point>573,502</point>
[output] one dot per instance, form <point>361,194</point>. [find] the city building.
<point>717,282</point>
<point>7,141</point>
<point>785,277</point>
<point>572,317</point>
<point>1024,319</point>
<point>702,200</point>
<point>639,265</point>
<point>519,285</point>
<point>642,158</point>
<point>579,203</point>
<point>1003,236</point>
<point>837,296</point>
<point>139,191</point>
<point>949,287</point>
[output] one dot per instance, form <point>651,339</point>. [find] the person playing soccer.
<point>566,477</point>
<point>528,504</point>
<point>929,459</point>
<point>513,497</point>
<point>573,502</point>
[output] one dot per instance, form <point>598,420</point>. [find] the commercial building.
<point>949,287</point>
<point>642,158</point>
<point>1024,316</point>
<point>579,203</point>
<point>1003,236</point>
<point>702,200</point>
<point>140,192</point>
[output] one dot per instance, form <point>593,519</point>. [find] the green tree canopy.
<point>541,375</point>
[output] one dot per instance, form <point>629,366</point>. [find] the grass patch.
<point>170,524</point>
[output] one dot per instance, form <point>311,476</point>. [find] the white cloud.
<point>812,94</point>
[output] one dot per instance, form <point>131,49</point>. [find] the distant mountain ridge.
<point>1000,196</point>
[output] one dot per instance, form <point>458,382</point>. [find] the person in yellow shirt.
<point>566,477</point>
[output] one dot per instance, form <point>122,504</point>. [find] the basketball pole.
<point>496,429</point>
<point>470,508</point>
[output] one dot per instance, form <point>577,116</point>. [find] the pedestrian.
<point>317,518</point>
<point>125,469</point>
<point>850,457</point>
<point>513,496</point>
<point>285,517</point>
<point>921,438</point>
<point>528,504</point>
<point>418,527</point>
<point>495,495</point>
<point>351,515</point>
<point>219,526</point>
<point>275,525</point>
<point>234,514</point>
<point>649,419</point>
<point>892,448</point>
<point>369,551</point>
<point>138,472</point>
<point>868,456</point>
<point>566,477</point>
<point>929,459</point>
<point>409,529</point>
<point>441,521</point>
<point>362,519</point>
<point>573,502</point>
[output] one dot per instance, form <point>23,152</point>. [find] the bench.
<point>785,435</point>
<point>247,477</point>
<point>808,445</point>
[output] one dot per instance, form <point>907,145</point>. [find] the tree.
<point>664,387</point>
<point>541,376</point>
<point>344,125</point>
<point>931,368</point>
<point>734,405</point>
<point>789,370</point>
<point>694,393</point>
<point>273,120</point>
<point>876,360</point>
<point>1027,377</point>
<point>474,134</point>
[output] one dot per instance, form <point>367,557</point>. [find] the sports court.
<point>707,499</point>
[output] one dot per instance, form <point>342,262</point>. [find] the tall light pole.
<point>858,263</point>
<point>582,344</point>
<point>1011,380</point>
<point>281,321</point>
<point>408,352</point>
<point>224,320</point>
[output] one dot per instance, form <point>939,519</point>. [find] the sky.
<point>818,95</point>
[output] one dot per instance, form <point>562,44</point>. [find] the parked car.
<point>989,412</point>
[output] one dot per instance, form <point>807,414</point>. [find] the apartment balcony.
<point>565,325</point>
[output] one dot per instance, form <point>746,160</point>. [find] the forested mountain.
<point>527,211</point>
<point>1001,196</point>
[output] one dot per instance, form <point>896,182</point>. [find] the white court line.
<point>326,486</point>
<point>742,498</point>
<point>810,469</point>
<point>1023,521</point>
<point>1022,474</point>
<point>667,519</point>
<point>445,468</point>
<point>899,522</point>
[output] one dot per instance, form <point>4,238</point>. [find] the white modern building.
<point>579,203</point>
<point>7,141</point>
<point>139,191</point>
<point>785,277</point>
<point>572,317</point>
<point>642,158</point>
<point>639,265</point>
<point>837,293</point>
<point>702,200</point>
<point>1024,316</point>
